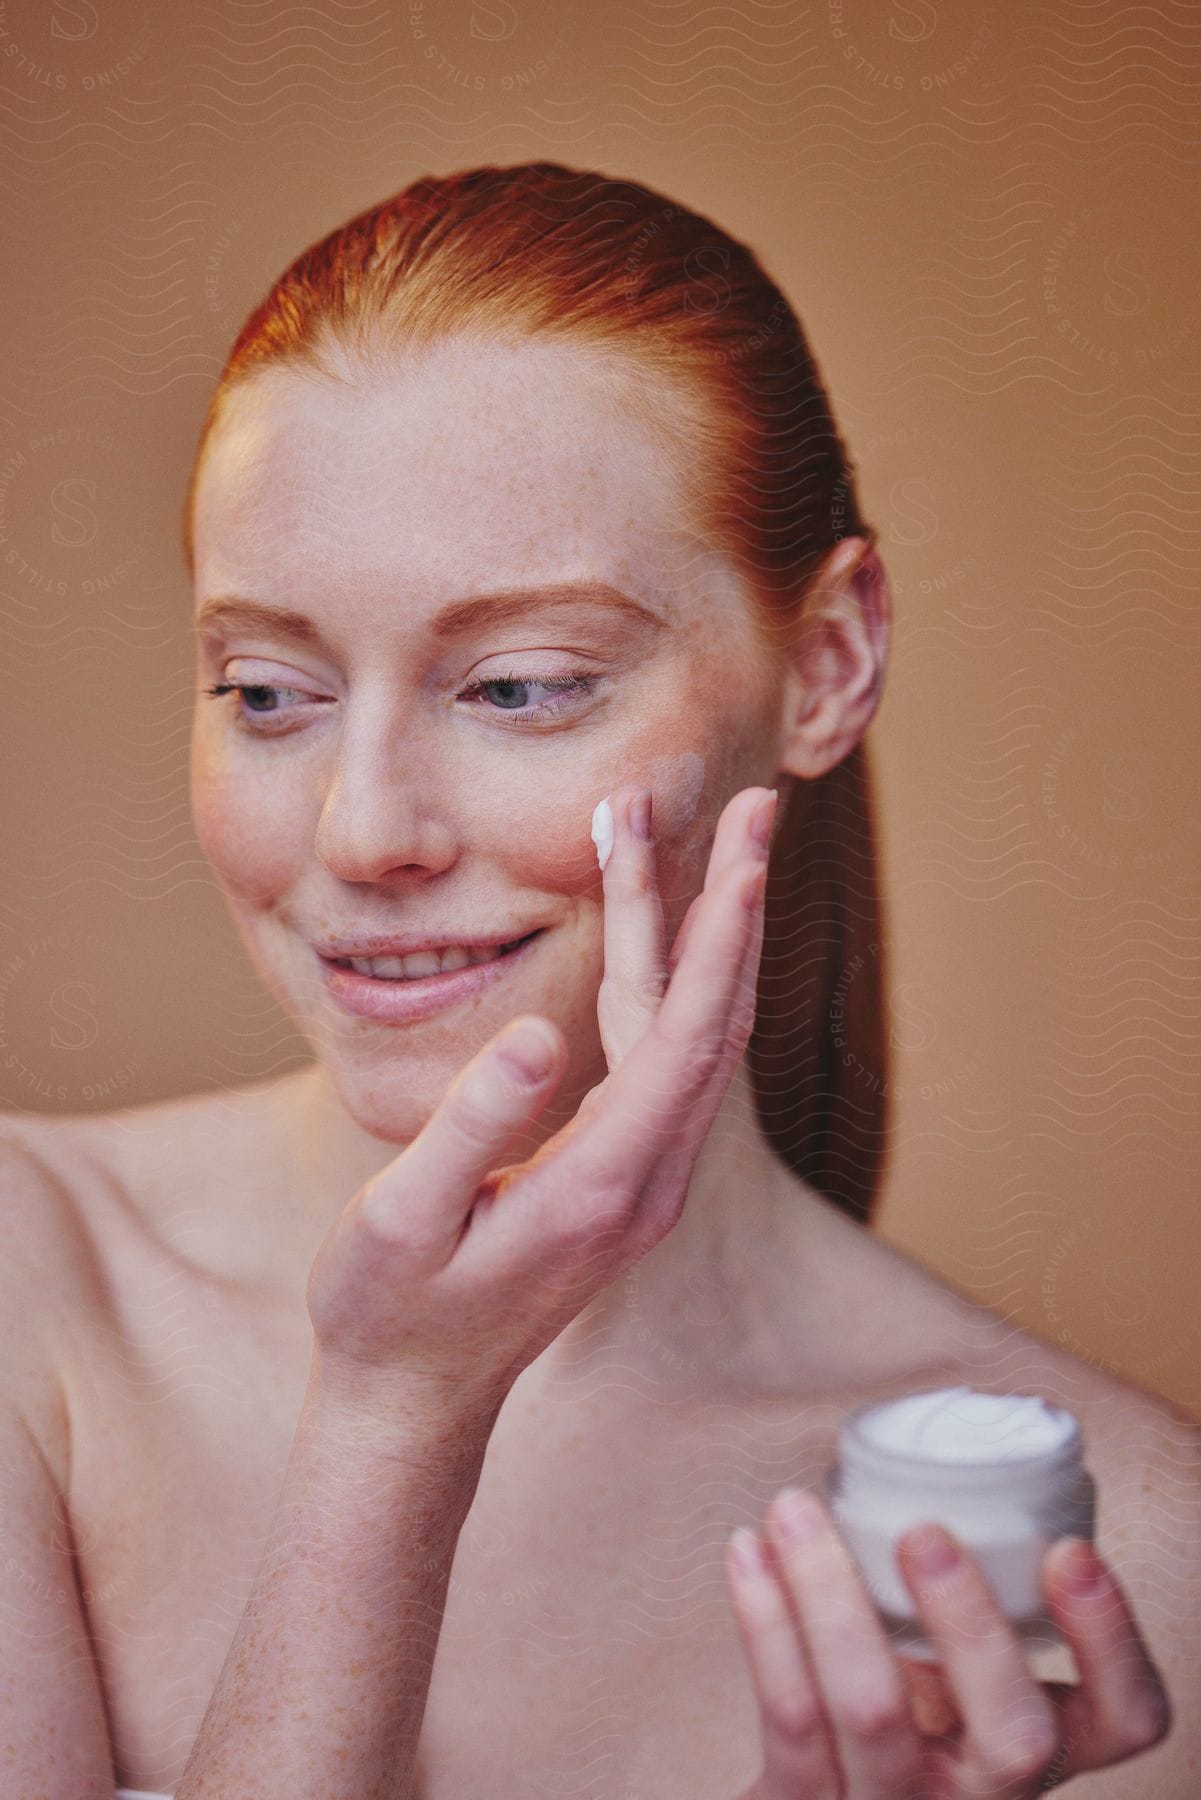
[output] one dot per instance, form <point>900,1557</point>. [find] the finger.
<point>635,977</point>
<point>1011,1730</point>
<point>724,853</point>
<point>654,1098</point>
<point>630,1149</point>
<point>421,1200</point>
<point>1121,1705</point>
<point>681,937</point>
<point>860,1685</point>
<point>739,1026</point>
<point>742,1018</point>
<point>798,1754</point>
<point>931,1703</point>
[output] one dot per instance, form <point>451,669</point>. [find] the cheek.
<point>546,831</point>
<point>539,828</point>
<point>676,783</point>
<point>246,835</point>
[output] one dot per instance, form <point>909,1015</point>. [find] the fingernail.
<point>932,1550</point>
<point>602,831</point>
<point>640,815</point>
<point>1082,1571</point>
<point>761,822</point>
<point>799,1514</point>
<point>529,1053</point>
<point>746,1550</point>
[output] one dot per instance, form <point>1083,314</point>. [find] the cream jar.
<point>1003,1472</point>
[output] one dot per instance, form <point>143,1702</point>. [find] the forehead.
<point>476,465</point>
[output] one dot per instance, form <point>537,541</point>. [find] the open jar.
<point>1003,1472</point>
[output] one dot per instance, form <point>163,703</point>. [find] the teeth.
<point>423,962</point>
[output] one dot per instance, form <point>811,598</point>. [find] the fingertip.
<point>745,1560</point>
<point>1074,1567</point>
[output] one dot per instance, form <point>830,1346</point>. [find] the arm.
<point>324,1687</point>
<point>53,1731</point>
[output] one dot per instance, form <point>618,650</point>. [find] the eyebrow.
<point>456,620</point>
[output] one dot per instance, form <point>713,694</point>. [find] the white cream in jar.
<point>1003,1472</point>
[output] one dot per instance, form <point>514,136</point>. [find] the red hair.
<point>726,384</point>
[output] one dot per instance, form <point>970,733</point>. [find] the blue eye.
<point>510,692</point>
<point>246,688</point>
<point>506,695</point>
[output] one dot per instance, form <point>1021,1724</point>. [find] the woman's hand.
<point>845,1718</point>
<point>451,1274</point>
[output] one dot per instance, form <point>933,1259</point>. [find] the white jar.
<point>1003,1472</point>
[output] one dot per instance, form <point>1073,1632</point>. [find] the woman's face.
<point>412,765</point>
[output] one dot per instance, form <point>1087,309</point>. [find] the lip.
<point>400,1002</point>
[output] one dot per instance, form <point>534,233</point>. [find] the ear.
<point>837,660</point>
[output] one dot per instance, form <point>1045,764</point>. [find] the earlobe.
<point>837,664</point>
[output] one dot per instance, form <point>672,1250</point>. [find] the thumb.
<point>421,1200</point>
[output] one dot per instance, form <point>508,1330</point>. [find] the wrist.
<point>373,1411</point>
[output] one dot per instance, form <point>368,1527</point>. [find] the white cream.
<point>964,1425</point>
<point>602,831</point>
<point>1003,1472</point>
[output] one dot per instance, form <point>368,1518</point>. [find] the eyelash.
<point>580,680</point>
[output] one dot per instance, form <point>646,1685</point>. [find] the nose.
<point>384,813</point>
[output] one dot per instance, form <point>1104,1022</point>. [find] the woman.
<point>520,493</point>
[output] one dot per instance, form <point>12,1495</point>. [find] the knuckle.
<point>1025,1758</point>
<point>617,989</point>
<point>650,985</point>
<point>874,1715</point>
<point>705,1056</point>
<point>968,1618</point>
<point>377,1213</point>
<point>1149,1721</point>
<point>474,1126</point>
<point>795,1713</point>
<point>592,1225</point>
<point>384,1221</point>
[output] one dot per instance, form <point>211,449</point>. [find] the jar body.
<point>1006,1514</point>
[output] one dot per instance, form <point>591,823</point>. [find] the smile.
<point>426,962</point>
<point>396,990</point>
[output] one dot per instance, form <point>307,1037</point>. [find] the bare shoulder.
<point>88,1203</point>
<point>152,1178</point>
<point>925,1331</point>
<point>44,1273</point>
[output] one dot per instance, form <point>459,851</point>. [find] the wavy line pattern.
<point>977,210</point>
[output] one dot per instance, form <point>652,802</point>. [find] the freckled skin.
<point>369,506</point>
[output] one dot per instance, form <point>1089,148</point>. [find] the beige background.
<point>981,215</point>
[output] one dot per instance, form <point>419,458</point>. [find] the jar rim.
<point>852,1435</point>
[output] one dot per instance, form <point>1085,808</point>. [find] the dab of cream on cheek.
<point>1003,1472</point>
<point>602,831</point>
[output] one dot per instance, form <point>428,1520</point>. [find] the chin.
<point>389,1119</point>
